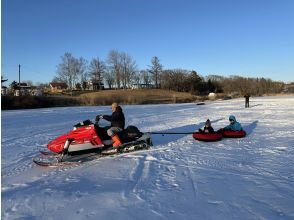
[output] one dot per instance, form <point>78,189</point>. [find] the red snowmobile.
<point>88,140</point>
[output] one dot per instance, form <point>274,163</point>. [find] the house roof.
<point>22,84</point>
<point>58,84</point>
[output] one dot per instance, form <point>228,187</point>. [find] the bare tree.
<point>171,79</point>
<point>254,86</point>
<point>176,79</point>
<point>137,78</point>
<point>65,69</point>
<point>97,70</point>
<point>71,70</point>
<point>128,69</point>
<point>155,70</point>
<point>146,78</point>
<point>109,78</point>
<point>114,62</point>
<point>81,66</point>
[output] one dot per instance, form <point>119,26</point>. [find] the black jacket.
<point>247,97</point>
<point>207,130</point>
<point>117,118</point>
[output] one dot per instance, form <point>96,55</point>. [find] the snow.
<point>178,178</point>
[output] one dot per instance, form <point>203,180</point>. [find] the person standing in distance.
<point>246,96</point>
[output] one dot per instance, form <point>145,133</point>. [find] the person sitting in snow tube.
<point>207,134</point>
<point>117,120</point>
<point>234,125</point>
<point>234,129</point>
<point>207,127</point>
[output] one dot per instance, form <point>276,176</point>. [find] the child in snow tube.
<point>234,129</point>
<point>207,134</point>
<point>207,127</point>
<point>234,125</point>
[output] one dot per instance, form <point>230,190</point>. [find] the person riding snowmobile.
<point>207,128</point>
<point>234,125</point>
<point>117,120</point>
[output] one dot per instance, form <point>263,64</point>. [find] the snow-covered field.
<point>179,178</point>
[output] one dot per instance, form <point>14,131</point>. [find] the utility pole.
<point>18,93</point>
<point>19,75</point>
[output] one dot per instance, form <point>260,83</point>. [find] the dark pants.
<point>113,130</point>
<point>247,104</point>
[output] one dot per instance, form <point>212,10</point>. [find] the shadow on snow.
<point>250,127</point>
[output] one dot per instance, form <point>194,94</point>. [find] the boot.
<point>116,141</point>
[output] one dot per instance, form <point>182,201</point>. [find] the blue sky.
<point>251,38</point>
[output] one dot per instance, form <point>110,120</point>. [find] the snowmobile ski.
<point>48,153</point>
<point>53,162</point>
<point>61,160</point>
<point>71,160</point>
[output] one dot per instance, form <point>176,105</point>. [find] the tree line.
<point>120,71</point>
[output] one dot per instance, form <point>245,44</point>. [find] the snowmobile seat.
<point>130,133</point>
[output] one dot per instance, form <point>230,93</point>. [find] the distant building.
<point>22,89</point>
<point>95,85</point>
<point>289,88</point>
<point>58,86</point>
<point>36,92</point>
<point>4,90</point>
<point>142,86</point>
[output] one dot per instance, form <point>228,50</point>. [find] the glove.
<point>98,117</point>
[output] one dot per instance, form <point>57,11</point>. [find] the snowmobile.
<point>88,141</point>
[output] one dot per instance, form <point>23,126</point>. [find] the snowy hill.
<point>179,178</point>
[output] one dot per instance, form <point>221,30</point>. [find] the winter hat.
<point>207,122</point>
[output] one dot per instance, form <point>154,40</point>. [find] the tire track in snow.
<point>149,178</point>
<point>18,166</point>
<point>137,177</point>
<point>191,176</point>
<point>32,136</point>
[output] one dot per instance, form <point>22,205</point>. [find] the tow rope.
<point>163,133</point>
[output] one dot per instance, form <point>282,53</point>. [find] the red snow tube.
<point>233,134</point>
<point>200,136</point>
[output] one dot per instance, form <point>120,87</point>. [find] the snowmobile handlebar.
<point>98,117</point>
